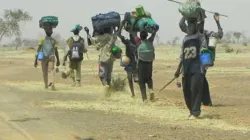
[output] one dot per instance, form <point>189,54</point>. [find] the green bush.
<point>244,43</point>
<point>227,48</point>
<point>118,83</point>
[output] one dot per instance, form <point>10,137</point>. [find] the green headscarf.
<point>76,27</point>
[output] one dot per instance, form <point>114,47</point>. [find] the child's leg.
<point>130,82</point>
<point>70,70</point>
<point>135,70</point>
<point>51,70</point>
<point>78,71</point>
<point>196,93</point>
<point>102,73</point>
<point>109,72</point>
<point>142,80</point>
<point>150,80</point>
<point>149,75</point>
<point>44,64</point>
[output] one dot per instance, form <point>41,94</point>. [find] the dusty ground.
<point>27,111</point>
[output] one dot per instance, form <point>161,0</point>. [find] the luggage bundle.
<point>190,9</point>
<point>106,20</point>
<point>50,21</point>
<point>140,20</point>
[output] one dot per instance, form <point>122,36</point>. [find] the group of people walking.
<point>140,52</point>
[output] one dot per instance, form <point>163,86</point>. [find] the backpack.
<point>76,50</point>
<point>190,9</point>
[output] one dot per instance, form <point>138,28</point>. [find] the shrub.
<point>244,43</point>
<point>118,83</point>
<point>227,48</point>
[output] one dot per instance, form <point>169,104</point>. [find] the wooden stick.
<point>167,84</point>
<point>202,8</point>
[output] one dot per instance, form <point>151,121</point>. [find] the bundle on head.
<point>105,23</point>
<point>48,21</point>
<point>190,9</point>
<point>140,20</point>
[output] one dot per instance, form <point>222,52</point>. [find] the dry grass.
<point>118,83</point>
<point>164,114</point>
<point>122,103</point>
<point>60,88</point>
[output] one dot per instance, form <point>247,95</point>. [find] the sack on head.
<point>51,21</point>
<point>190,9</point>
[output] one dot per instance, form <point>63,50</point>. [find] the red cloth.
<point>137,41</point>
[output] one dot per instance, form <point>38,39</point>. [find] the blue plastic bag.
<point>40,56</point>
<point>206,59</point>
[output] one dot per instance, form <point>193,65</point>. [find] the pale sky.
<point>165,13</point>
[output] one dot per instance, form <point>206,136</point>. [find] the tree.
<point>57,36</point>
<point>157,37</point>
<point>228,37</point>
<point>9,23</point>
<point>18,41</point>
<point>237,36</point>
<point>30,42</point>
<point>59,39</point>
<point>175,40</point>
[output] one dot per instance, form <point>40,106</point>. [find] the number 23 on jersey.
<point>190,52</point>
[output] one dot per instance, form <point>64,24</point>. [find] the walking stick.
<point>165,87</point>
<point>167,84</point>
<point>170,81</point>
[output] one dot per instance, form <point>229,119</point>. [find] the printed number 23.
<point>190,52</point>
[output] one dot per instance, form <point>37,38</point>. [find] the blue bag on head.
<point>40,56</point>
